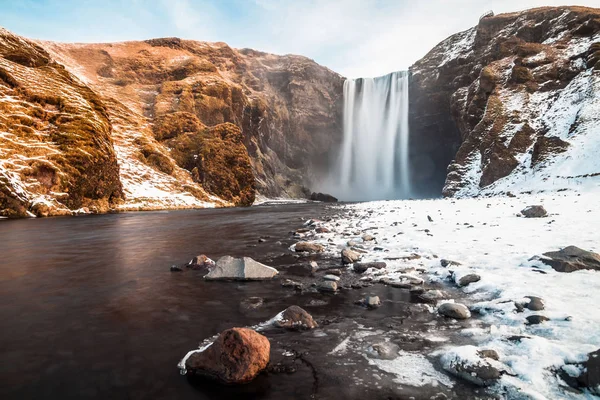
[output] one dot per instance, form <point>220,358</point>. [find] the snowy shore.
<point>488,238</point>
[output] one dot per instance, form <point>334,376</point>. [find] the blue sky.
<point>353,37</point>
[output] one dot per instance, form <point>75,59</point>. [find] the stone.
<point>237,356</point>
<point>454,310</point>
<point>335,271</point>
<point>326,198</point>
<point>493,354</point>
<point>314,266</point>
<point>535,303</point>
<point>534,212</point>
<point>372,301</point>
<point>327,286</point>
<point>333,278</point>
<point>590,378</point>
<point>367,238</point>
<point>350,256</point>
<point>176,268</point>
<point>201,262</point>
<point>468,279</point>
<point>352,243</point>
<point>244,268</point>
<point>571,259</point>
<point>309,247</point>
<point>432,295</point>
<point>448,263</point>
<point>294,318</point>
<point>360,268</point>
<point>251,303</point>
<point>322,229</point>
<point>291,284</point>
<point>478,370</point>
<point>413,280</point>
<point>383,350</point>
<point>536,319</point>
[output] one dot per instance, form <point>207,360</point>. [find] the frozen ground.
<point>488,238</point>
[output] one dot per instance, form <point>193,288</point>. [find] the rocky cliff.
<point>512,104</point>
<point>165,123</point>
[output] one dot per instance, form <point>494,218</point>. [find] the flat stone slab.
<point>245,269</point>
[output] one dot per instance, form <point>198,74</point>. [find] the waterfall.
<point>373,163</point>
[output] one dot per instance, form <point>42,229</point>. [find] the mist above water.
<point>373,161</point>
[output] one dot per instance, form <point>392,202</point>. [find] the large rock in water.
<point>240,269</point>
<point>571,259</point>
<point>237,356</point>
<point>590,378</point>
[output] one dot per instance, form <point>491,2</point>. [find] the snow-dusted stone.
<point>413,280</point>
<point>488,353</point>
<point>454,310</point>
<point>534,212</point>
<point>360,268</point>
<point>383,350</point>
<point>350,256</point>
<point>327,286</point>
<point>535,303</point>
<point>368,238</point>
<point>467,279</point>
<point>372,301</point>
<point>237,356</point>
<point>201,262</point>
<point>448,263</point>
<point>465,363</point>
<point>309,247</point>
<point>330,277</point>
<point>432,295</point>
<point>352,243</point>
<point>294,318</point>
<point>240,269</point>
<point>536,319</point>
<point>571,259</point>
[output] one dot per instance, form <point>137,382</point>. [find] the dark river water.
<point>89,308</point>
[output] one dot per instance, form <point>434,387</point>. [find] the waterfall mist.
<point>373,161</point>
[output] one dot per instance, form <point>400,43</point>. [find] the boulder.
<point>590,378</point>
<point>571,259</point>
<point>294,318</point>
<point>454,310</point>
<point>372,301</point>
<point>240,269</point>
<point>237,356</point>
<point>324,197</point>
<point>360,268</point>
<point>466,363</point>
<point>536,319</point>
<point>309,247</point>
<point>350,256</point>
<point>535,303</point>
<point>534,212</point>
<point>201,262</point>
<point>327,286</point>
<point>467,279</point>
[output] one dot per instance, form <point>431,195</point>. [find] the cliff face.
<point>165,123</point>
<point>56,151</point>
<point>511,104</point>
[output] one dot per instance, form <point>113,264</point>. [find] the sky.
<point>356,38</point>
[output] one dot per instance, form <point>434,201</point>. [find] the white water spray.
<point>373,164</point>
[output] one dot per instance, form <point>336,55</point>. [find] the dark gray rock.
<point>534,212</point>
<point>571,259</point>
<point>360,268</point>
<point>468,279</point>
<point>454,310</point>
<point>535,303</point>
<point>590,378</point>
<point>324,197</point>
<point>176,268</point>
<point>536,319</point>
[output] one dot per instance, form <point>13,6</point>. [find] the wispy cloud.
<point>353,37</point>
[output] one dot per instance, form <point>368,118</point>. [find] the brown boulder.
<point>571,259</point>
<point>237,356</point>
<point>294,318</point>
<point>309,247</point>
